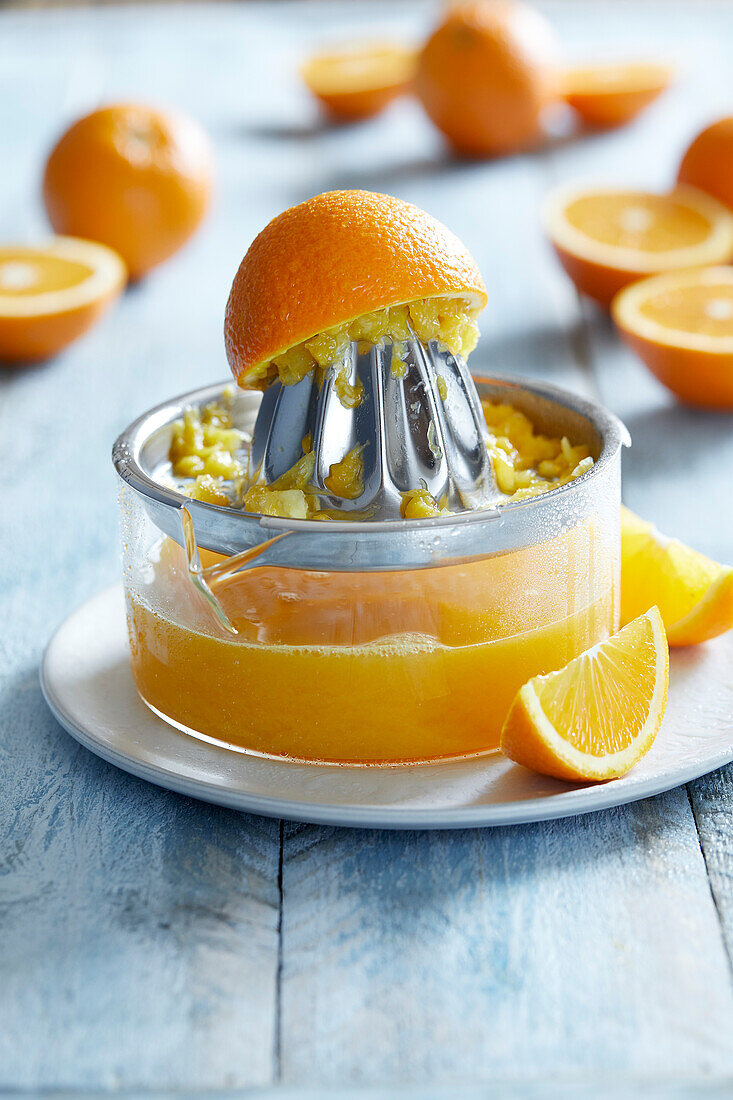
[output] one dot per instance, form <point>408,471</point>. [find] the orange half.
<point>337,257</point>
<point>597,716</point>
<point>52,294</point>
<point>681,326</point>
<point>359,80</point>
<point>611,95</point>
<point>606,238</point>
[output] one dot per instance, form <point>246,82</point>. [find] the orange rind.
<point>330,261</point>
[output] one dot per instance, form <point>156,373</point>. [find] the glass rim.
<point>128,446</point>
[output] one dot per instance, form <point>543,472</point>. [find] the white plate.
<point>87,682</point>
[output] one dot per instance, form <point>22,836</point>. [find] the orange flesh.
<point>442,650</point>
<point>706,310</point>
<point>23,272</point>
<point>655,223</point>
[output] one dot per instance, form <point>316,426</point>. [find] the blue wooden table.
<point>152,945</point>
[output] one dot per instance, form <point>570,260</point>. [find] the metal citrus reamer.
<point>419,425</point>
<point>412,415</point>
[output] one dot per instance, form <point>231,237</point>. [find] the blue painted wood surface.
<point>151,943</point>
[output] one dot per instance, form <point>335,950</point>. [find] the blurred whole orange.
<point>708,163</point>
<point>486,74</point>
<point>132,177</point>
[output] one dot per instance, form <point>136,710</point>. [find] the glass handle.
<point>206,578</point>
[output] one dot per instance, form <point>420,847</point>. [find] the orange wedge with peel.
<point>51,294</point>
<point>613,94</point>
<point>359,80</point>
<point>597,716</point>
<point>681,326</point>
<point>693,593</point>
<point>607,237</point>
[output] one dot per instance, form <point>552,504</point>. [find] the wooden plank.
<point>566,947</point>
<point>676,471</point>
<point>712,803</point>
<point>517,952</point>
<point>511,953</point>
<point>140,928</point>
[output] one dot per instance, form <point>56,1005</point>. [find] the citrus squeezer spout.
<point>410,417</point>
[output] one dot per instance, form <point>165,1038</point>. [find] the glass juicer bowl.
<point>357,642</point>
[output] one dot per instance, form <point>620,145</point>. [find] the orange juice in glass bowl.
<point>359,642</point>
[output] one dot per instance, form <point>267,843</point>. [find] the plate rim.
<point>486,815</point>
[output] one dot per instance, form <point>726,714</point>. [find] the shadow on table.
<point>541,351</point>
<point>663,436</point>
<point>306,130</point>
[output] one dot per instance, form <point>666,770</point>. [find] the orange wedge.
<point>694,594</point>
<point>681,326</point>
<point>611,95</point>
<point>606,238</point>
<point>595,718</point>
<point>359,80</point>
<point>50,295</point>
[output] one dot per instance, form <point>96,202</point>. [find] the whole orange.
<point>132,177</point>
<point>708,163</point>
<point>486,74</point>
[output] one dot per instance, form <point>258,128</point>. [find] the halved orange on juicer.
<point>359,80</point>
<point>608,237</point>
<point>339,258</point>
<point>681,326</point>
<point>51,294</point>
<point>597,716</point>
<point>693,593</point>
<point>613,94</point>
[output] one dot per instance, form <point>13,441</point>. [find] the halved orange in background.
<point>51,294</point>
<point>681,326</point>
<point>597,716</point>
<point>359,80</point>
<point>693,593</point>
<point>608,237</point>
<point>613,94</point>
